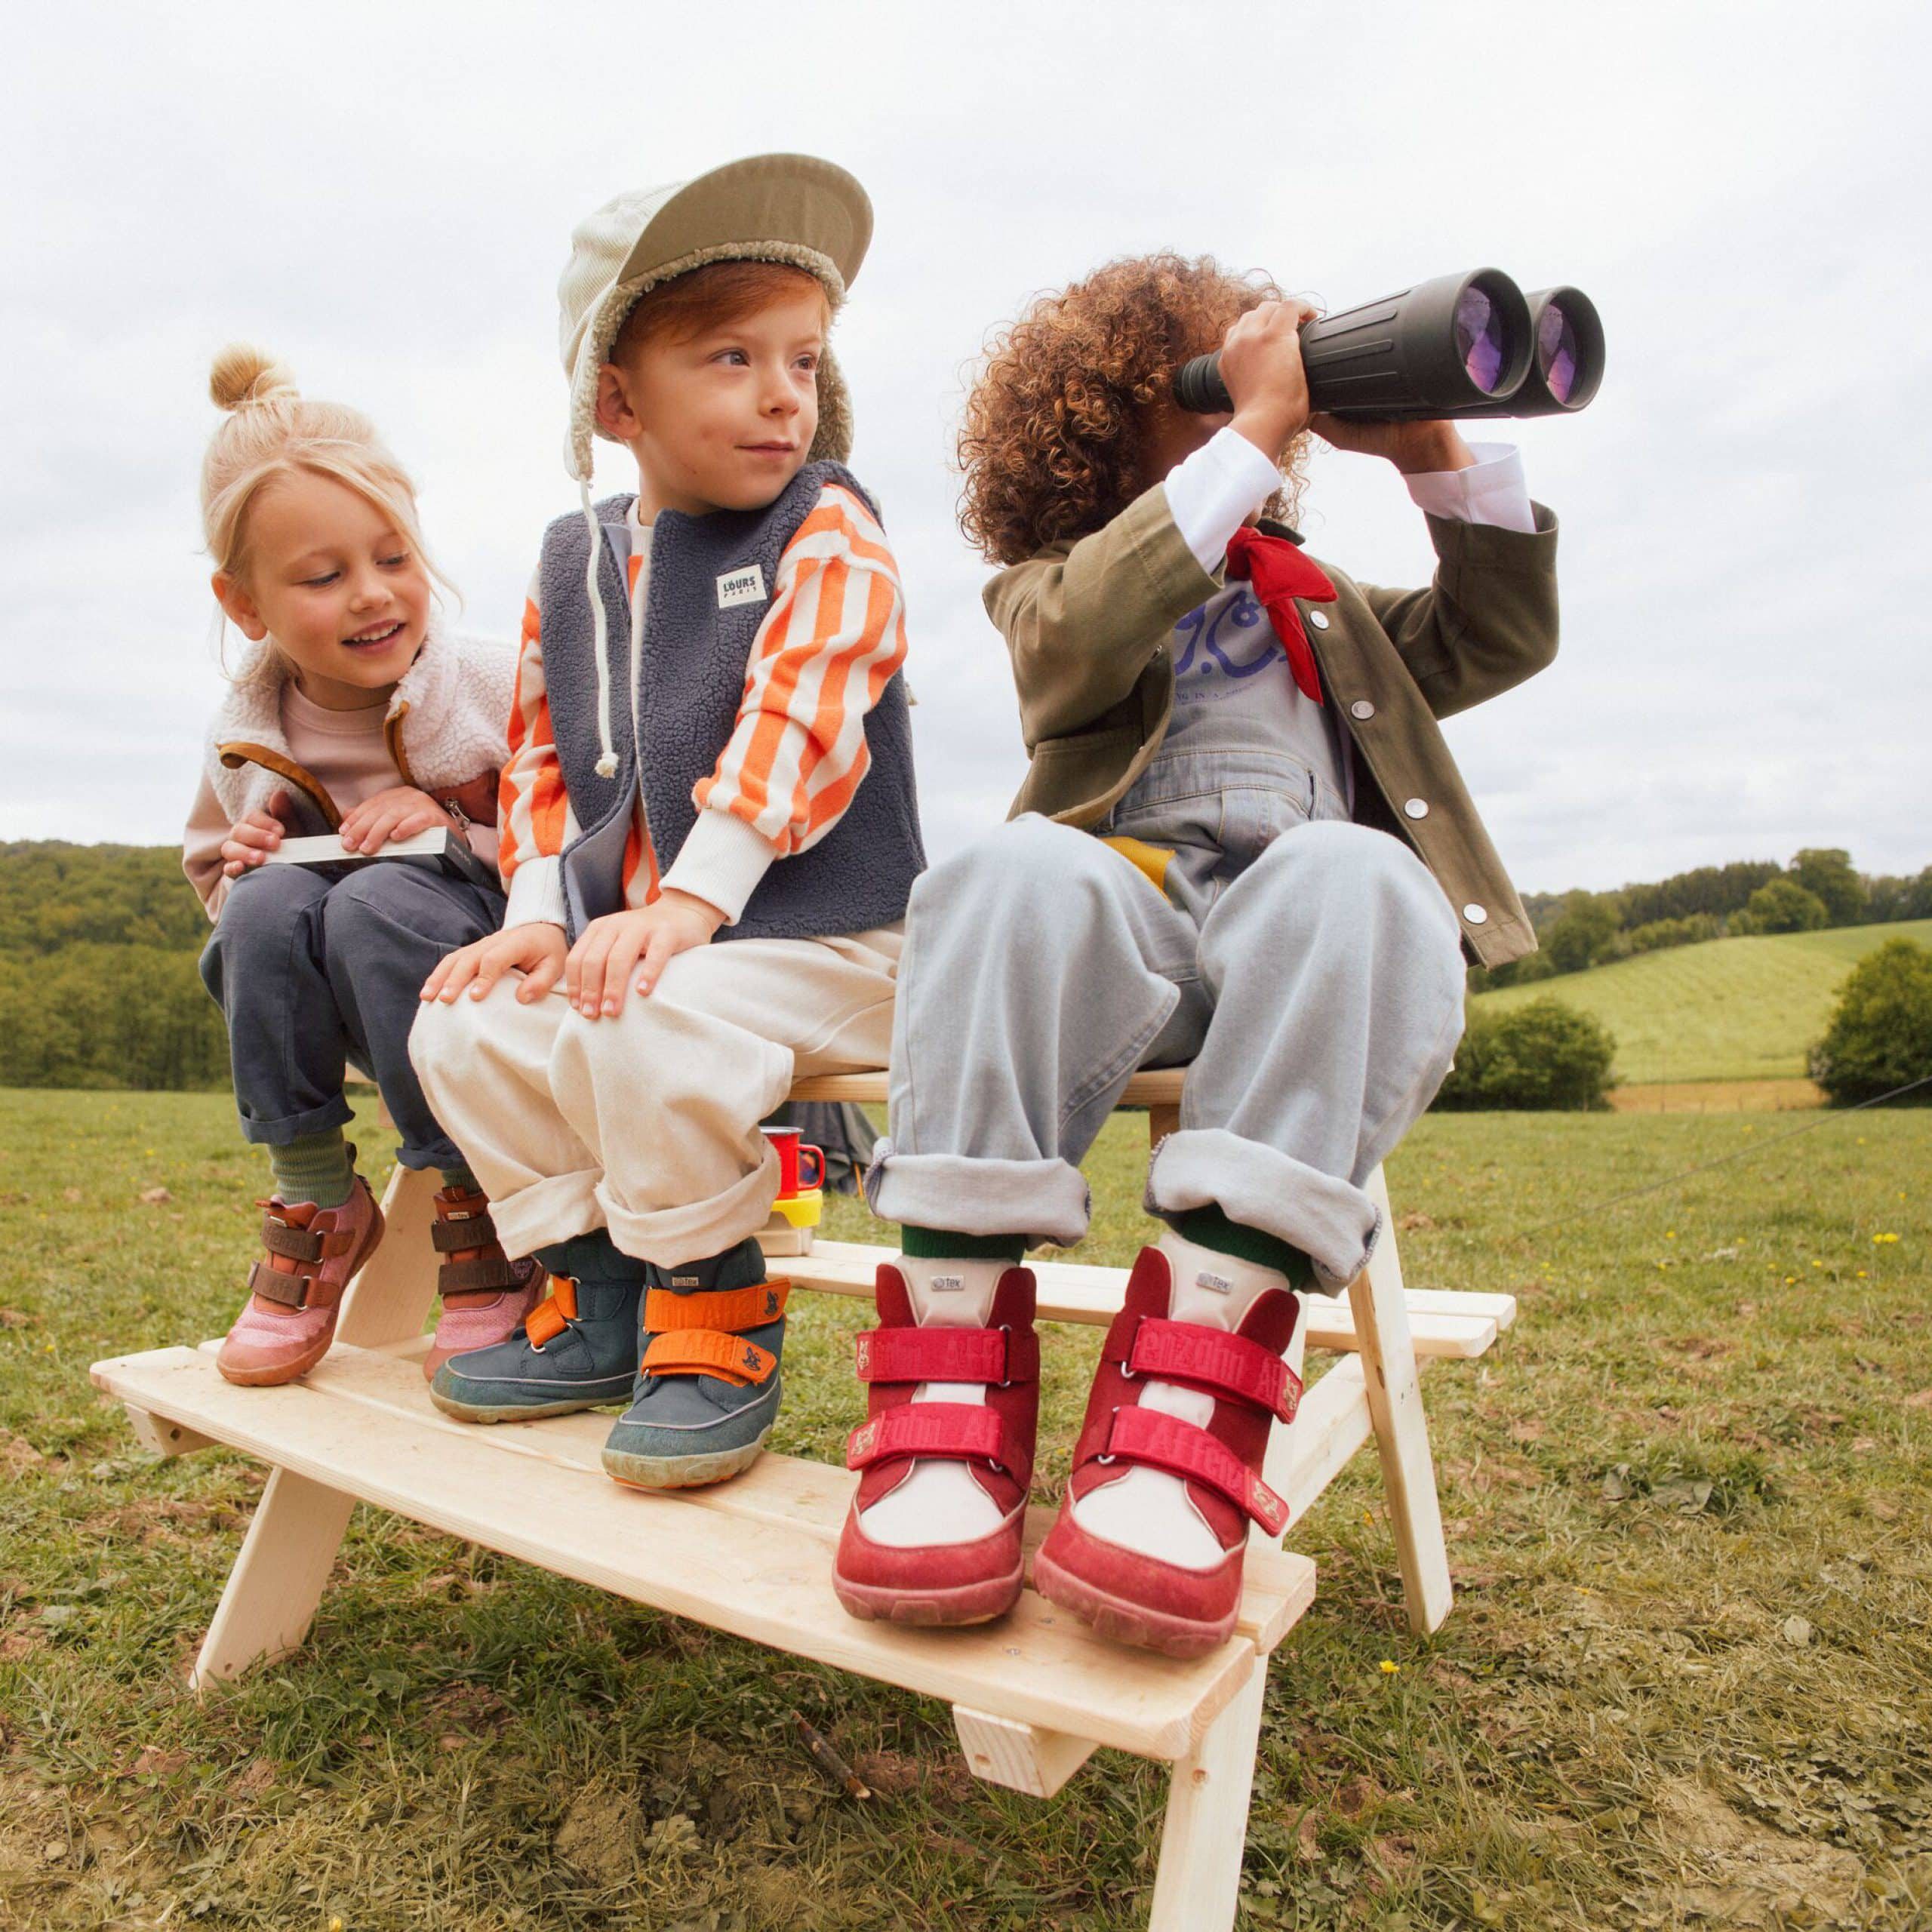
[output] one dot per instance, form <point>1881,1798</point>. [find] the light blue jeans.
<point>1308,971</point>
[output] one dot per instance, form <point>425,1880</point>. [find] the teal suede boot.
<point>708,1390</point>
<point>578,1347</point>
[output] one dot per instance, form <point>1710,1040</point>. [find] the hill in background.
<point>1730,1009</point>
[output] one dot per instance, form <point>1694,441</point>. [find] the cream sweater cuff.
<point>721,860</point>
<point>536,895</point>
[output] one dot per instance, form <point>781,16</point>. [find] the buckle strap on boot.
<point>488,1274</point>
<point>451,1234</point>
<point>1212,1359</point>
<point>279,1285</point>
<point>553,1314</point>
<point>708,1352</point>
<point>665,1311</point>
<point>1145,1436</point>
<point>954,1432</point>
<point>999,1357</point>
<point>293,1243</point>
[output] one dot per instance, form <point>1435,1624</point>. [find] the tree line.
<point>1820,887</point>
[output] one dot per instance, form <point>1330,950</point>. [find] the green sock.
<point>316,1168</point>
<point>936,1245</point>
<point>459,1178</point>
<point>1208,1227</point>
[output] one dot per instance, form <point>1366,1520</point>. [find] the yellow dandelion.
<point>1389,1666</point>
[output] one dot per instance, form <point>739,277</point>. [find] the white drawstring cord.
<point>606,762</point>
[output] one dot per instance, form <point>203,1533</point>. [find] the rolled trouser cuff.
<point>551,1210</point>
<point>1038,1200</point>
<point>1334,1223</point>
<point>668,1235</point>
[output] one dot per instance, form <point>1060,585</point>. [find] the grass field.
<point>1688,1680</point>
<point>1729,1009</point>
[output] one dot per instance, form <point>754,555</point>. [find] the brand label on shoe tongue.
<point>947,1284</point>
<point>687,1281</point>
<point>1217,1284</point>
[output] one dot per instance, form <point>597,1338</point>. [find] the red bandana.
<point>1278,572</point>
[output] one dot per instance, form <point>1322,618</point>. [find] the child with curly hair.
<point>1241,846</point>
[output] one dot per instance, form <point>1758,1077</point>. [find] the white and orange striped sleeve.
<point>532,807</point>
<point>834,635</point>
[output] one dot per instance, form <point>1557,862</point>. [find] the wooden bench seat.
<point>1033,1694</point>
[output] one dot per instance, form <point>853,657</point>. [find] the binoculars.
<point>1460,345</point>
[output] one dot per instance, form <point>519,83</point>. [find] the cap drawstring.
<point>607,761</point>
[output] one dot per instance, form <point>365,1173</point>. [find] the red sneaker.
<point>289,1320</point>
<point>943,1583</point>
<point>1129,1595</point>
<point>485,1294</point>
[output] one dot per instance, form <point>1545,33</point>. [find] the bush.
<point>1880,1032</point>
<point>1828,874</point>
<point>1784,907</point>
<point>1541,1055</point>
<point>1588,925</point>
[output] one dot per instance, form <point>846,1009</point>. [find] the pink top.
<point>347,751</point>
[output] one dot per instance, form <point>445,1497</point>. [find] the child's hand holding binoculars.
<point>1261,365</point>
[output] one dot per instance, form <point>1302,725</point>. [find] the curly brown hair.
<point>1051,444</point>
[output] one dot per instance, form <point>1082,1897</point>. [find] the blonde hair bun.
<point>243,374</point>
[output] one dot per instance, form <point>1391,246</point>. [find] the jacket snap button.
<point>1361,708</point>
<point>1415,808</point>
<point>1318,619</point>
<point>1476,915</point>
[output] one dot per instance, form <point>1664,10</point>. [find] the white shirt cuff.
<point>1211,493</point>
<point>1491,490</point>
<point>721,860</point>
<point>536,896</point>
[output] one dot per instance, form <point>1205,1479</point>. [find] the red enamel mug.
<point>801,1165</point>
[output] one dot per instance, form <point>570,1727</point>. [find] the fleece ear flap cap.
<point>792,208</point>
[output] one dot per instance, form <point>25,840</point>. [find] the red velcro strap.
<point>995,1355</point>
<point>1166,1442</point>
<point>1210,1358</point>
<point>957,1432</point>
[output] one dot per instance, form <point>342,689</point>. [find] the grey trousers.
<point>1310,971</point>
<point>312,972</point>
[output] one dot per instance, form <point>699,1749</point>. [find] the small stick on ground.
<point>828,1760</point>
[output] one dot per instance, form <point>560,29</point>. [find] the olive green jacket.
<point>1088,625</point>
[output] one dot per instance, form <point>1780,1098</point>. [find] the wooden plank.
<point>1020,1756</point>
<point>1401,1431</point>
<point>1075,1291</point>
<point>766,1580</point>
<point>1158,1087</point>
<point>792,1491</point>
<point>391,1295</point>
<point>1198,1879</point>
<point>165,1438</point>
<point>1331,1424</point>
<point>270,1597</point>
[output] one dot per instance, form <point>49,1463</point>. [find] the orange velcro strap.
<point>706,1351</point>
<point>665,1311</point>
<point>553,1314</point>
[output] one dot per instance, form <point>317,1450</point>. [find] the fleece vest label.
<point>741,586</point>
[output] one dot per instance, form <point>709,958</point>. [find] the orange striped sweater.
<point>832,637</point>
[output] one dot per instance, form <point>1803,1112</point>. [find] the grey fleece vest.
<point>689,685</point>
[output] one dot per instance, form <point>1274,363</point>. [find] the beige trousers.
<point>648,1124</point>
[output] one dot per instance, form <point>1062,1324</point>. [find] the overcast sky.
<point>383,194</point>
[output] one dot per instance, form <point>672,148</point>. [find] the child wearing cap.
<point>1241,844</point>
<point>709,826</point>
<point>354,708</point>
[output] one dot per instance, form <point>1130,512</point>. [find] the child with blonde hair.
<point>353,712</point>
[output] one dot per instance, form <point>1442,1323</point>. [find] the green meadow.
<point>1687,1681</point>
<point>1729,1009</point>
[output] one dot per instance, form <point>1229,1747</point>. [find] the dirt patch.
<point>1716,1097</point>
<point>1739,1873</point>
<point>17,1455</point>
<point>601,1834</point>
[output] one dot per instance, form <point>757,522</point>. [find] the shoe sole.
<point>1126,1622</point>
<point>273,1375</point>
<point>957,1608</point>
<point>490,1412</point>
<point>683,1471</point>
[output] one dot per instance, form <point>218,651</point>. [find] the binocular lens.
<point>1557,354</point>
<point>1481,340</point>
